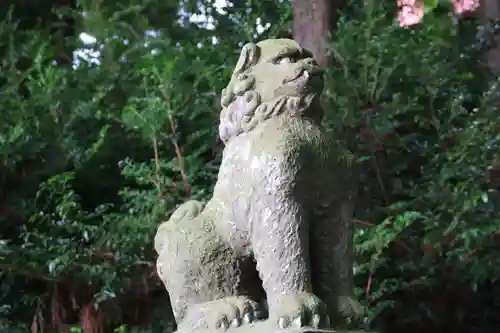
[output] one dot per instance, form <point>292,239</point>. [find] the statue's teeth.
<point>306,74</point>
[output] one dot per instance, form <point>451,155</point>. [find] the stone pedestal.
<point>265,327</point>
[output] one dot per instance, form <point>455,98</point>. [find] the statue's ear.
<point>248,58</point>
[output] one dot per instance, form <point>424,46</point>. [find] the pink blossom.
<point>411,12</point>
<point>465,6</point>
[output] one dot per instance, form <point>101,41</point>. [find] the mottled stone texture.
<point>266,248</point>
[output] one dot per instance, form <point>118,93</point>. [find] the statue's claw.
<point>297,311</point>
<point>222,314</point>
<point>351,310</point>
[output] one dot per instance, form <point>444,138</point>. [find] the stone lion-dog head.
<point>271,78</point>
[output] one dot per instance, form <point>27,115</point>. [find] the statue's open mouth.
<point>310,78</point>
<point>305,74</point>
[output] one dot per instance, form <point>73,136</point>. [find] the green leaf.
<point>430,5</point>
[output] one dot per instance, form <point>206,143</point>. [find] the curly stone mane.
<point>242,105</point>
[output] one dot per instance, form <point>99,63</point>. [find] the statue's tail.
<point>187,211</point>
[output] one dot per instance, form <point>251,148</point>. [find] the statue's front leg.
<point>280,240</point>
<point>332,267</point>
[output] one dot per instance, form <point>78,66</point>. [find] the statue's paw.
<point>298,310</point>
<point>229,312</point>
<point>353,312</point>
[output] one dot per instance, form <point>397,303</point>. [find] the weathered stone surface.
<point>266,248</point>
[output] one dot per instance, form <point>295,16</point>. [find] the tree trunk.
<point>490,10</point>
<point>313,22</point>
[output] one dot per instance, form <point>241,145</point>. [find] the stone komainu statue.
<point>273,242</point>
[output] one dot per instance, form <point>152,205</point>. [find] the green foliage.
<point>418,109</point>
<point>94,157</point>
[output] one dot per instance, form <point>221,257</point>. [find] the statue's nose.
<point>310,62</point>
